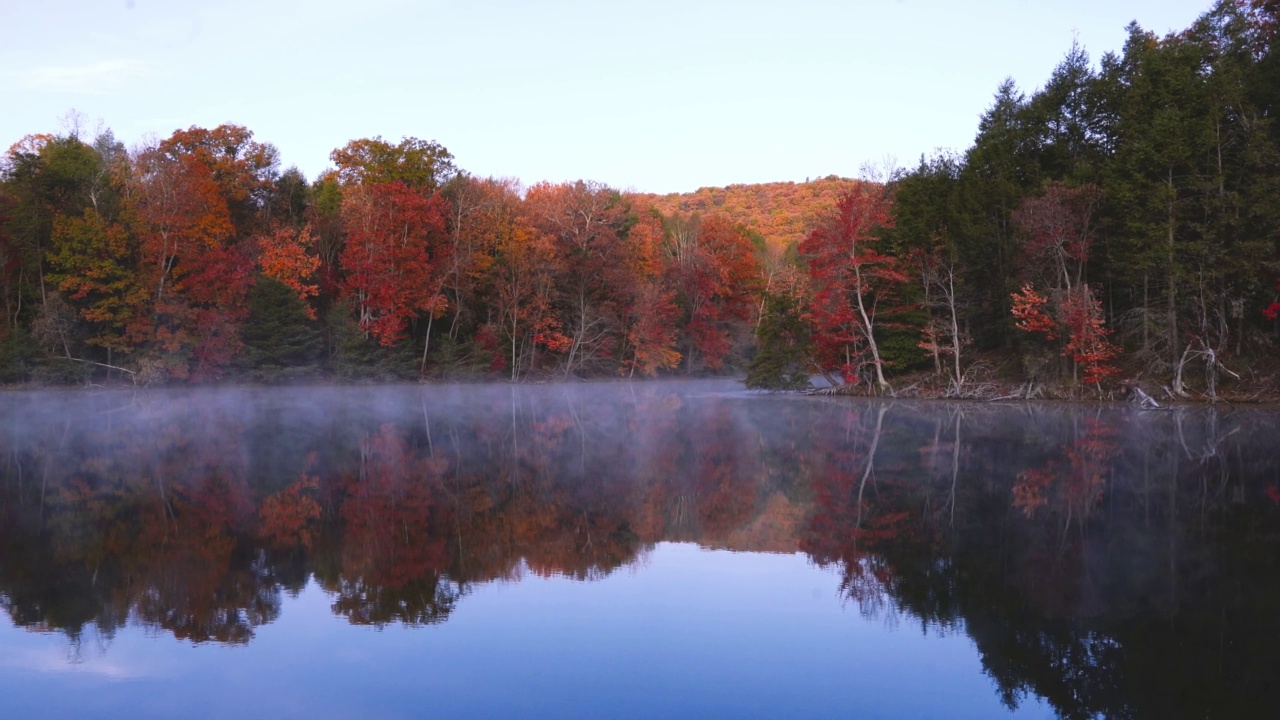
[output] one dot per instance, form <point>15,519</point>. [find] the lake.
<point>632,550</point>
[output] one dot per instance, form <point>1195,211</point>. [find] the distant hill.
<point>783,212</point>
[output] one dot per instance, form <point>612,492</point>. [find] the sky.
<point>658,96</point>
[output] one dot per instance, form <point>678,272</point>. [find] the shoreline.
<point>1153,396</point>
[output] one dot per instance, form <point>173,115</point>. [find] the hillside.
<point>782,212</point>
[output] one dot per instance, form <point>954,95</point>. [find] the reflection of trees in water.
<point>142,523</point>
<point>1075,477</point>
<point>196,515</point>
<point>1114,562</point>
<point>854,506</point>
<point>1141,583</point>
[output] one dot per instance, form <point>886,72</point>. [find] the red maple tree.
<point>387,258</point>
<point>852,279</point>
<point>1079,319</point>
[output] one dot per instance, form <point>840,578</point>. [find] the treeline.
<point>197,258</point>
<point>1121,222</point>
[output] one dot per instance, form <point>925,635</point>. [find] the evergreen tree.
<point>783,359</point>
<point>279,339</point>
<point>999,171</point>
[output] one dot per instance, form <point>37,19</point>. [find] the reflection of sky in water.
<point>688,632</point>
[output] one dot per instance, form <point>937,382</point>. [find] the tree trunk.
<point>1171,305</point>
<point>426,345</point>
<point>955,323</point>
<point>881,383</point>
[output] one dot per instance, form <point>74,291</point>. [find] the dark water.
<point>641,550</point>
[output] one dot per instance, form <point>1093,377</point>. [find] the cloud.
<point>53,661</point>
<point>96,78</point>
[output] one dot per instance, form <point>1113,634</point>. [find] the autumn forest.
<point>1116,230</point>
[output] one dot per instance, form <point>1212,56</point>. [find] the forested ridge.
<point>782,213</point>
<point>1116,228</point>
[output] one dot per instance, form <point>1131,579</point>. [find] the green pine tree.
<point>782,362</point>
<point>279,339</point>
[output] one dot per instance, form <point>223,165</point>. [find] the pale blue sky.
<point>658,96</point>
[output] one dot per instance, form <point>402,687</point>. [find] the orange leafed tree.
<point>179,211</point>
<point>480,211</point>
<point>1029,309</point>
<point>652,330</point>
<point>195,280</point>
<point>286,254</point>
<point>650,318</point>
<point>583,221</point>
<point>521,277</point>
<point>242,168</point>
<point>715,273</point>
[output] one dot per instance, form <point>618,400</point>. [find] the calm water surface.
<point>632,550</point>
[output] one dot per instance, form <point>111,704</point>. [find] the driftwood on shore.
<point>1143,400</point>
<point>987,392</point>
<point>844,390</point>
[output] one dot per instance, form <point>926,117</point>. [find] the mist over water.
<point>690,537</point>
